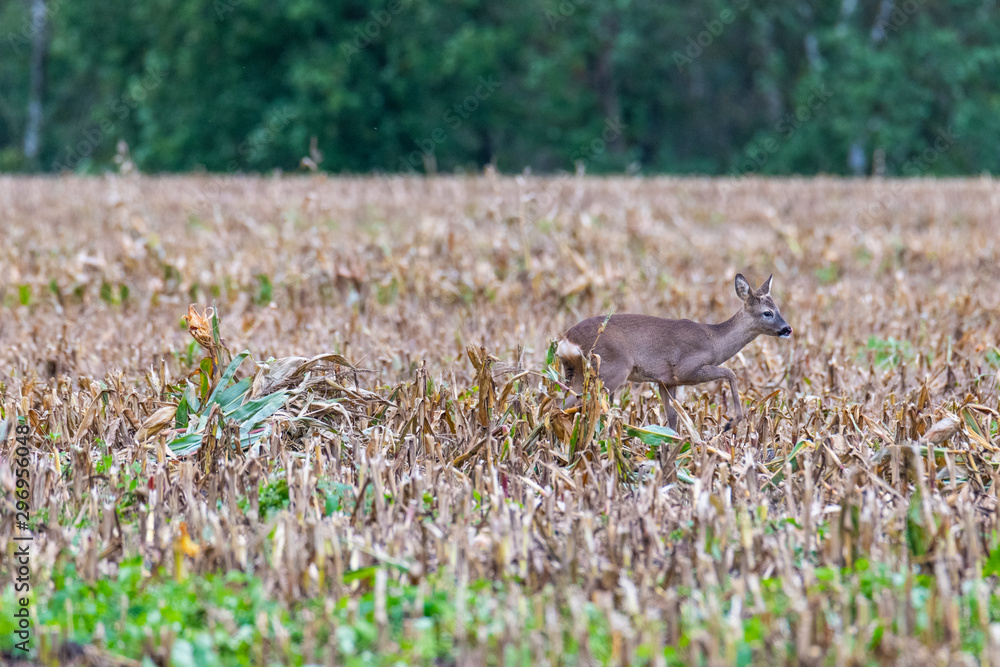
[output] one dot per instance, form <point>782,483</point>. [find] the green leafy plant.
<point>889,352</point>
<point>235,405</point>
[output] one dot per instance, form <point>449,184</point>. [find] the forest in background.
<point>637,86</point>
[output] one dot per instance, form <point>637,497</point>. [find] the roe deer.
<point>642,348</point>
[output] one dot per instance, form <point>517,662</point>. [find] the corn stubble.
<point>404,327</point>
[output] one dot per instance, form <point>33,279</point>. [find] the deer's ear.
<point>743,289</point>
<point>765,289</point>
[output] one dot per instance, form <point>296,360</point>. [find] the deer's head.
<point>760,308</point>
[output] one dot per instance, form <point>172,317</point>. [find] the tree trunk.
<point>39,53</point>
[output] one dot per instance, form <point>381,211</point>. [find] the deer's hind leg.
<point>667,394</point>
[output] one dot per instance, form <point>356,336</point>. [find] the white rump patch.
<point>568,350</point>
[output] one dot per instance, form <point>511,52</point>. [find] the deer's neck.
<point>731,336</point>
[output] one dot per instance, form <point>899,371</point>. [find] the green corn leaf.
<point>227,376</point>
<point>550,356</point>
<point>917,536</point>
<point>253,412</point>
<point>684,476</point>
<point>230,399</point>
<point>992,565</point>
<point>215,327</point>
<point>363,573</point>
<point>653,435</point>
<point>188,443</point>
<point>181,416</point>
<point>191,396</point>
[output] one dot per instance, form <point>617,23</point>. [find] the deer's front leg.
<point>710,373</point>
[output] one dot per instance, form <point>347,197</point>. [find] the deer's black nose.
<point>785,332</point>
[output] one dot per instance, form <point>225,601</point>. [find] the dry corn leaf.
<point>156,422</point>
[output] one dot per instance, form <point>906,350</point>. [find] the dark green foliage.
<point>712,86</point>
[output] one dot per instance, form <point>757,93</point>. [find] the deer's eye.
<point>768,314</point>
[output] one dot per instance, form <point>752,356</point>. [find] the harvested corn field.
<point>351,449</point>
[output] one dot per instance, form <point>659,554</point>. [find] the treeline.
<point>704,86</point>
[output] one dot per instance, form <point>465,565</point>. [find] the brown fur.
<point>672,353</point>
